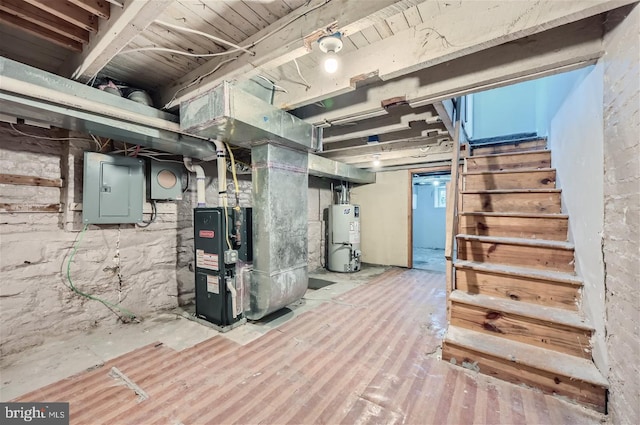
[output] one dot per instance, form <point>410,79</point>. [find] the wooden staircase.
<point>514,313</point>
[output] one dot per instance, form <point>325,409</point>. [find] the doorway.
<point>429,202</point>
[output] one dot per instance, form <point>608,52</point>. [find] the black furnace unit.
<point>223,248</point>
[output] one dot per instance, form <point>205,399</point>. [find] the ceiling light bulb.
<point>436,183</point>
<point>376,160</point>
<point>331,62</point>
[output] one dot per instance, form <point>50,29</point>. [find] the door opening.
<point>429,200</point>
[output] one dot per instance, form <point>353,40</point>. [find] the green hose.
<point>91,297</point>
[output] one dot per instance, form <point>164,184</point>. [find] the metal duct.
<point>31,93</point>
<point>229,114</point>
<point>320,166</point>
<point>280,241</point>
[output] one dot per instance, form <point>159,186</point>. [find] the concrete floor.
<point>63,357</point>
<point>429,259</point>
<point>363,350</point>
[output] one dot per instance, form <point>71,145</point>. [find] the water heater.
<point>343,247</point>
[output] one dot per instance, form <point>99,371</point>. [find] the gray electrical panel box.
<point>113,189</point>
<point>165,180</point>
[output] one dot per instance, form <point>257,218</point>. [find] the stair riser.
<point>543,179</point>
<point>506,148</point>
<point>542,292</point>
<point>515,227</point>
<point>588,394</point>
<point>545,258</point>
<point>512,202</point>
<point>540,159</point>
<point>552,336</point>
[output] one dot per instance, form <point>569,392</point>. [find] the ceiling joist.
<point>285,41</point>
<point>68,12</point>
<point>40,32</point>
<point>116,33</point>
<point>559,49</point>
<point>457,30</point>
<point>100,8</point>
<point>37,16</point>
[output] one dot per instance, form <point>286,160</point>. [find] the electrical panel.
<point>164,180</point>
<point>113,189</point>
<point>223,247</point>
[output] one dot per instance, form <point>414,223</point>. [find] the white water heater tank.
<point>343,248</point>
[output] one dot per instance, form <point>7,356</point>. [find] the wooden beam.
<point>406,162</point>
<point>287,40</point>
<point>46,20</point>
<point>444,115</point>
<point>40,32</point>
<point>68,12</point>
<point>421,129</point>
<point>121,28</point>
<point>440,60</point>
<point>29,180</point>
<point>100,8</point>
<point>395,120</point>
<point>431,143</point>
<point>29,208</point>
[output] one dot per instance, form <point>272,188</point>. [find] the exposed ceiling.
<point>381,104</point>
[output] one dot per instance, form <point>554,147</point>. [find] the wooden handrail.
<point>452,204</point>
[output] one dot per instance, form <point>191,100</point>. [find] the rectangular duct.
<point>280,241</point>
<point>229,114</point>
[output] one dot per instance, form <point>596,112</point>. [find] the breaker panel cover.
<point>113,189</point>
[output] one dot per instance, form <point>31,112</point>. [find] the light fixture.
<point>331,45</point>
<point>376,160</point>
<point>436,183</point>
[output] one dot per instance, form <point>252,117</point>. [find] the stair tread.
<point>534,311</point>
<point>515,170</point>
<point>540,358</point>
<point>497,191</point>
<point>510,153</point>
<point>542,243</point>
<point>520,271</point>
<point>515,214</point>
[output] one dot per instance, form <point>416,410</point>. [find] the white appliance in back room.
<point>343,247</point>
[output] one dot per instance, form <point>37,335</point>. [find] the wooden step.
<point>514,200</point>
<point>519,252</point>
<point>509,161</point>
<point>514,146</point>
<point>547,327</point>
<point>550,371</point>
<point>525,178</point>
<point>551,289</point>
<point>518,225</point>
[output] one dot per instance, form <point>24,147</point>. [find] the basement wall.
<point>384,218</point>
<point>146,270</point>
<point>621,64</point>
<point>120,264</point>
<point>576,142</point>
<point>429,222</point>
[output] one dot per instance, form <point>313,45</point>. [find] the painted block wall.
<point>147,270</point>
<point>384,218</point>
<point>504,111</point>
<point>621,249</point>
<point>576,141</point>
<point>428,221</point>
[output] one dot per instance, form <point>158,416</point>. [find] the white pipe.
<point>222,173</point>
<point>200,189</point>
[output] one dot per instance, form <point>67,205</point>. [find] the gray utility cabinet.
<point>113,189</point>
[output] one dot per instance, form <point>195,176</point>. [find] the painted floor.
<point>369,355</point>
<point>429,259</point>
